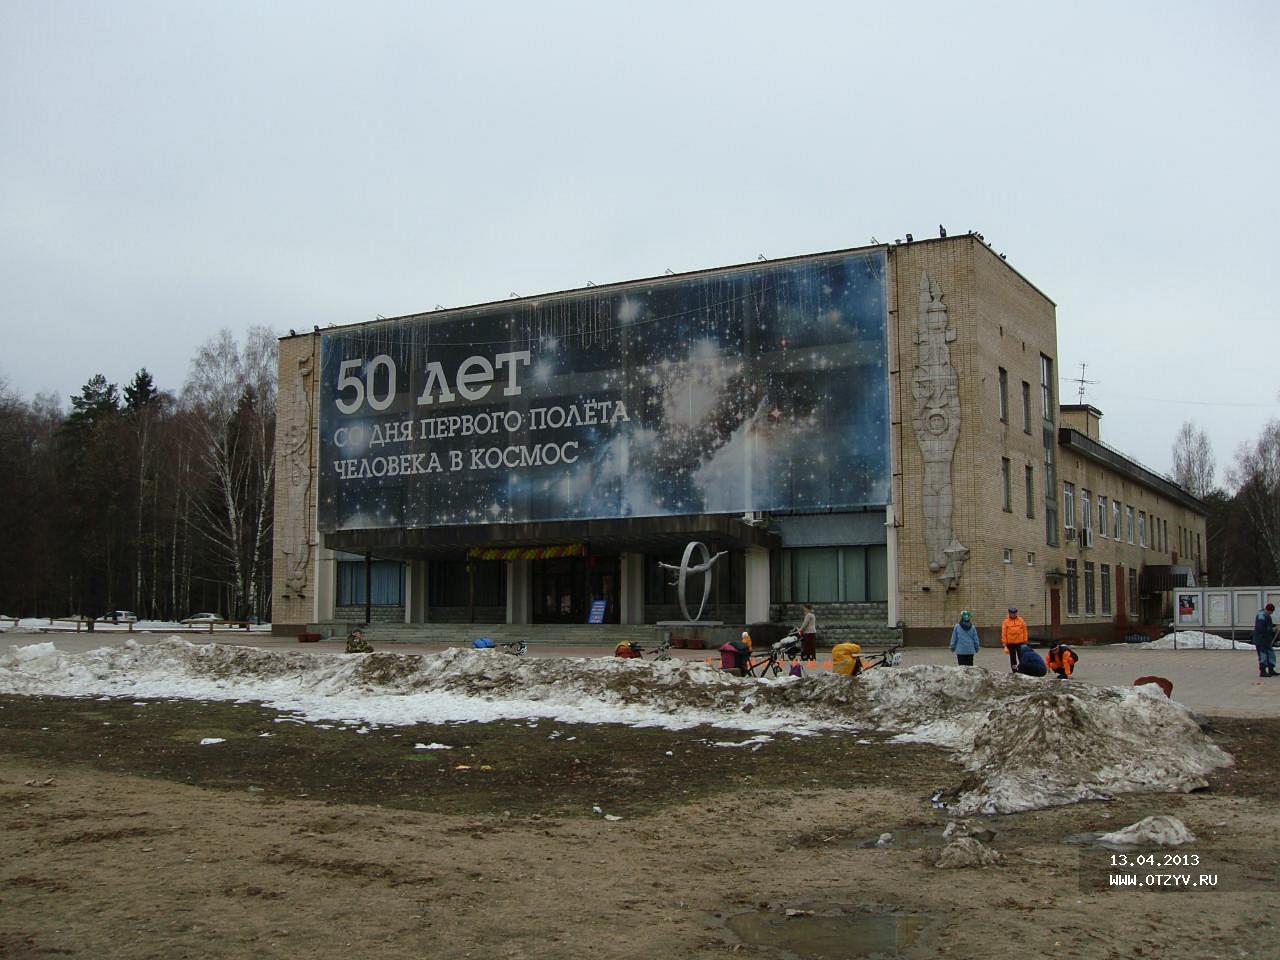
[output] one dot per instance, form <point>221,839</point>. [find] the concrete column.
<point>325,593</point>
<point>415,591</point>
<point>891,559</point>
<point>757,571</point>
<point>631,589</point>
<point>517,591</point>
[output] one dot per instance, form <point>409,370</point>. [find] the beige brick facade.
<point>1001,321</point>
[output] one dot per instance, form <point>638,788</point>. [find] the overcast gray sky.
<point>167,169</point>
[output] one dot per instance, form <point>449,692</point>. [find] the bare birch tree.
<point>1193,466</point>
<point>1256,475</point>
<point>231,391</point>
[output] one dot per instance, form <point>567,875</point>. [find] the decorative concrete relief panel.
<point>936,419</point>
<point>296,455</point>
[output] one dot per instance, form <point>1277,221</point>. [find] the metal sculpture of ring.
<point>685,570</point>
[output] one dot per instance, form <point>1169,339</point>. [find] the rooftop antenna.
<point>1082,382</point>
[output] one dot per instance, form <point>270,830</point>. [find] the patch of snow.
<point>1160,829</point>
<point>210,741</point>
<point>1192,640</point>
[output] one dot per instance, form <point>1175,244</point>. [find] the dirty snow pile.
<point>1161,829</point>
<point>1192,640</point>
<point>1023,743</point>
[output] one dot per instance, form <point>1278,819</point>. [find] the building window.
<point>1030,477</point>
<point>1116,531</point>
<point>834,575</point>
<point>1128,519</point>
<point>1046,386</point>
<point>1049,438</point>
<point>1073,588</point>
<point>1008,554</point>
<point>1005,489</point>
<point>1102,516</point>
<point>386,577</point>
<point>1026,407</point>
<point>1004,395</point>
<point>1133,592</point>
<point>1068,505</point>
<point>1164,534</point>
<point>1106,589</point>
<point>1031,558</point>
<point>1142,528</point>
<point>1086,515</point>
<point>1090,606</point>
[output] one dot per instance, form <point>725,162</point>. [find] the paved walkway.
<point>1211,682</point>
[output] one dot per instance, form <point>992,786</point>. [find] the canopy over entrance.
<point>623,535</point>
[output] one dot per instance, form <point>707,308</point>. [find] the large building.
<point>875,431</point>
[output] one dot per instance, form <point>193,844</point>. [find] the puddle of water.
<point>828,937</point>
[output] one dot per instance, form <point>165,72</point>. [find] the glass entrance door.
<point>565,587</point>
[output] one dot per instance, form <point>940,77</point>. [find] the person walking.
<point>1264,632</point>
<point>1013,637</point>
<point>964,640</point>
<point>809,634</point>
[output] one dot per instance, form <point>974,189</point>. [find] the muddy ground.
<point>122,836</point>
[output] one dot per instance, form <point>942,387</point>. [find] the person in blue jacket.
<point>1030,663</point>
<point>964,640</point>
<point>1264,632</point>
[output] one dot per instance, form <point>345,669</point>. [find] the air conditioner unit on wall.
<point>1071,533</point>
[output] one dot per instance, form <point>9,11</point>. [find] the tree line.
<point>1243,523</point>
<point>142,498</point>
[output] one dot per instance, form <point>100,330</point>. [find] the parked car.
<point>118,616</point>
<point>202,617</point>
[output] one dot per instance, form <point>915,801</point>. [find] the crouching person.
<point>735,656</point>
<point>356,643</point>
<point>1030,663</point>
<point>1062,660</point>
<point>845,659</point>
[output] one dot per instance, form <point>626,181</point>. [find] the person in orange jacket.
<point>1013,637</point>
<point>1062,660</point>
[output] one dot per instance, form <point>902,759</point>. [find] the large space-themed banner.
<point>747,389</point>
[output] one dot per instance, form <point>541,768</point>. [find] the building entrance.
<point>564,588</point>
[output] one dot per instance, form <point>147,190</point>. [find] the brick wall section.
<point>355,614</point>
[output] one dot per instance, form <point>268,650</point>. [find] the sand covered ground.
<point>204,800</point>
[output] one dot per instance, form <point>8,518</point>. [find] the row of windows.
<point>1150,530</point>
<point>1114,519</point>
<point>812,575</point>
<point>1091,592</point>
<point>1004,401</point>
